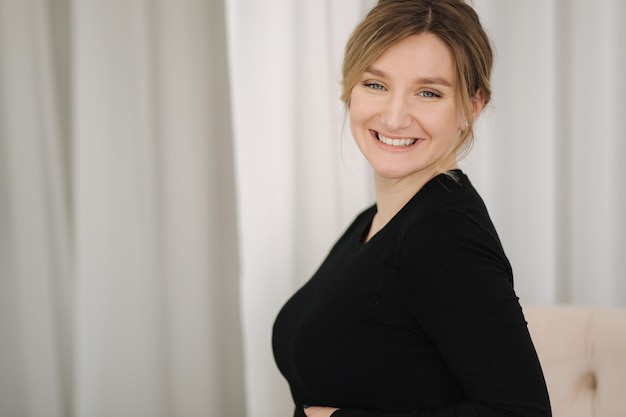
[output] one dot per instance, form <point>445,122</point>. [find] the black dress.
<point>422,320</point>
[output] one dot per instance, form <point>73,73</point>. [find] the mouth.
<point>400,142</point>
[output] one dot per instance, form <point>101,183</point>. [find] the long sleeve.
<point>467,306</point>
<point>478,326</point>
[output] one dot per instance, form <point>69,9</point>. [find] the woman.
<point>413,312</point>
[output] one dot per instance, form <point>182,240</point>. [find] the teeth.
<point>396,142</point>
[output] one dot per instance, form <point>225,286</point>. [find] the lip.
<point>374,134</point>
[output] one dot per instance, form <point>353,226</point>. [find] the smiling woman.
<point>413,312</point>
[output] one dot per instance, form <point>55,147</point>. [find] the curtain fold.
<point>120,332</point>
<point>595,36</point>
<point>156,235</point>
<point>35,328</point>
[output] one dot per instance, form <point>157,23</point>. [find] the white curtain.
<point>120,283</point>
<point>170,172</point>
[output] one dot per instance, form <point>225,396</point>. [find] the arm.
<point>469,309</point>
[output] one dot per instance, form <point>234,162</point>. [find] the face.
<point>403,112</point>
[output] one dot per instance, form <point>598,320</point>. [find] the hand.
<point>315,411</point>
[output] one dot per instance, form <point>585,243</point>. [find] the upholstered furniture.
<point>583,354</point>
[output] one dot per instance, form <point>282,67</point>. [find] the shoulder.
<point>452,232</point>
<point>448,205</point>
<point>452,190</point>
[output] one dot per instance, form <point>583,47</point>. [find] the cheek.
<point>358,115</point>
<point>362,106</point>
<point>446,121</point>
<point>358,130</point>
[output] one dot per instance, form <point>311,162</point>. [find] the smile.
<point>402,143</point>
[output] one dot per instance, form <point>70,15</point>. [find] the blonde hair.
<point>453,21</point>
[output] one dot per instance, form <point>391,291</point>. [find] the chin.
<point>397,171</point>
<point>396,175</point>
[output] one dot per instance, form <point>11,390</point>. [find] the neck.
<point>393,194</point>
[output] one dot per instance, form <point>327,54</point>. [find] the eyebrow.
<point>421,80</point>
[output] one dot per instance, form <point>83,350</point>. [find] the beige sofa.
<point>583,354</point>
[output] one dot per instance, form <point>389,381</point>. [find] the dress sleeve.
<point>459,290</point>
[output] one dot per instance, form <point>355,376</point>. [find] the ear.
<point>478,102</point>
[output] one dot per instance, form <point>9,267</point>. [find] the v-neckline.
<point>369,218</point>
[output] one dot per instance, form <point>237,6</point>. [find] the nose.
<point>395,114</point>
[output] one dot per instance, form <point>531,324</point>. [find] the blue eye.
<point>429,94</point>
<point>374,86</point>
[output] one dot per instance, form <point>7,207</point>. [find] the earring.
<point>467,123</point>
